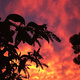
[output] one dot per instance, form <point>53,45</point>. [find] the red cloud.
<point>63,18</point>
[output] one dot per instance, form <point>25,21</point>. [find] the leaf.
<point>25,56</point>
<point>74,39</point>
<point>56,38</point>
<point>38,43</point>
<point>27,38</point>
<point>32,24</point>
<point>43,26</point>
<point>40,64</point>
<point>37,55</point>
<point>38,50</point>
<point>44,36</point>
<point>78,57</point>
<point>22,35</point>
<point>76,52</point>
<point>21,65</point>
<point>16,18</point>
<point>40,37</point>
<point>76,61</point>
<point>18,39</point>
<point>45,65</point>
<point>50,37</point>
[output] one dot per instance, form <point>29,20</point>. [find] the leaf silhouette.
<point>24,56</point>
<point>45,65</point>
<point>44,36</point>
<point>32,24</point>
<point>76,61</point>
<point>74,39</point>
<point>9,62</point>
<point>38,50</point>
<point>56,38</point>
<point>37,55</point>
<point>16,18</point>
<point>21,65</point>
<point>26,75</point>
<point>18,39</point>
<point>38,43</point>
<point>35,26</point>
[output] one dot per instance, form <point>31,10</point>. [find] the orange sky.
<point>62,18</point>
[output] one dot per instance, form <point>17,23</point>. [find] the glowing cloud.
<point>63,18</point>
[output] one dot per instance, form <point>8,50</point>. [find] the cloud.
<point>62,18</point>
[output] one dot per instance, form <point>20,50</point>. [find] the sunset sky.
<point>63,19</point>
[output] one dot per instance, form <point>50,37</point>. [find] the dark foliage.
<point>8,65</point>
<point>75,41</point>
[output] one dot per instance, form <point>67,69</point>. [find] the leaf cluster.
<point>8,65</point>
<point>75,41</point>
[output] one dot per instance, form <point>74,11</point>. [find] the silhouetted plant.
<point>75,41</point>
<point>9,68</point>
